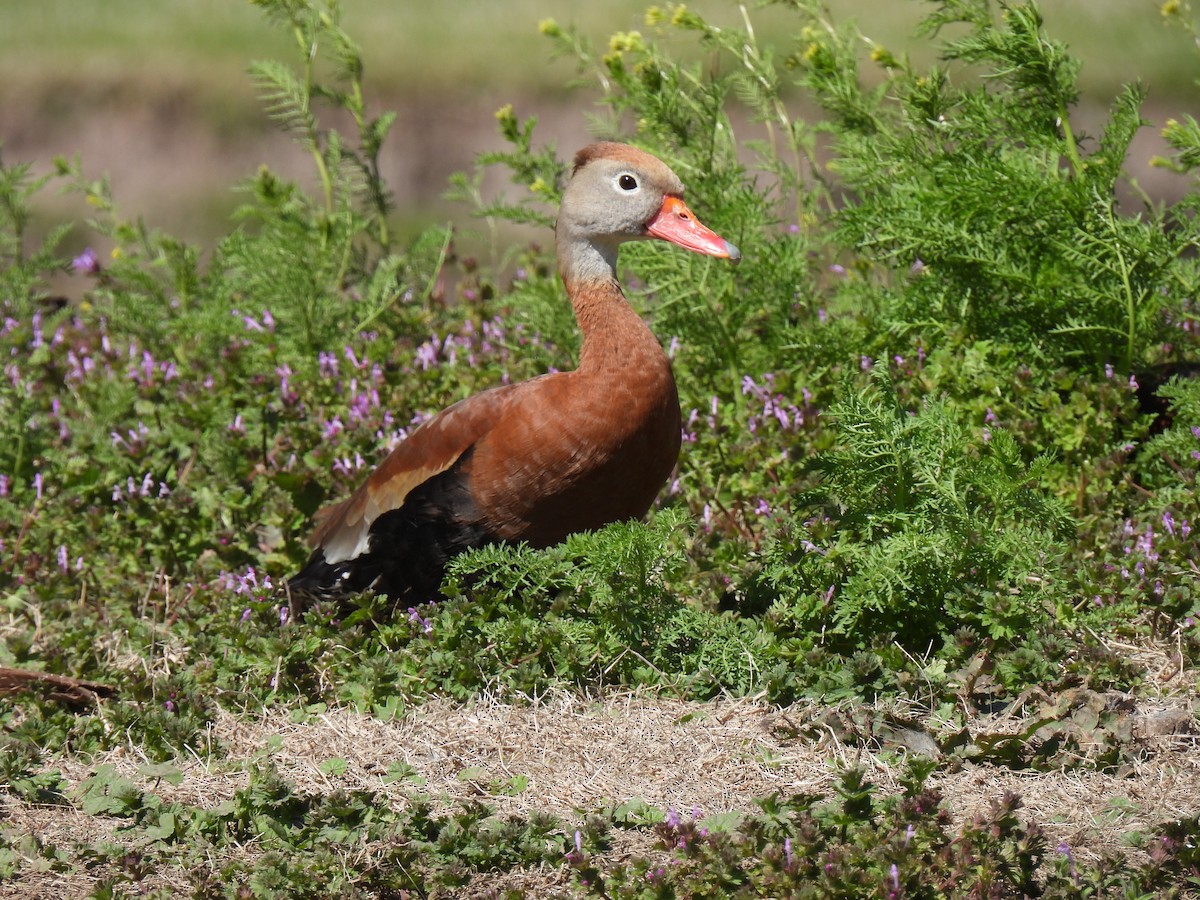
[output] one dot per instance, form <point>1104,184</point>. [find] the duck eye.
<point>627,183</point>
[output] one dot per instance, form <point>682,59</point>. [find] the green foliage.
<point>353,844</point>
<point>22,268</point>
<point>595,610</point>
<point>861,845</point>
<point>925,529</point>
<point>158,416</point>
<point>356,844</point>
<point>987,192</point>
<point>1172,457</point>
<point>17,764</point>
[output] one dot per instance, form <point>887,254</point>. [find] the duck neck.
<point>614,336</point>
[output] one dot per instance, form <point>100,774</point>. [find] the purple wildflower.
<point>1065,849</point>
<point>327,364</point>
<point>250,323</point>
<point>414,616</point>
<point>285,373</point>
<point>149,366</point>
<point>86,263</point>
<point>427,355</point>
<point>78,366</point>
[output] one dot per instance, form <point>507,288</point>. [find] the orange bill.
<point>676,223</point>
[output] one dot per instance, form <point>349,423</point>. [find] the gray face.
<point>614,198</point>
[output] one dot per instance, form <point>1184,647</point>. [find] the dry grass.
<point>580,754</point>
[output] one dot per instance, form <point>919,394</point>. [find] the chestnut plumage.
<point>540,460</point>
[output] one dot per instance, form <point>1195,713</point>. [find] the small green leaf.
<point>161,772</point>
<point>335,767</point>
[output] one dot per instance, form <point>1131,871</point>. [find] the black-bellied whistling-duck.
<point>535,461</point>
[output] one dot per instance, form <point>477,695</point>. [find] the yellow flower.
<point>883,56</point>
<point>681,17</point>
<point>626,42</point>
<point>549,28</point>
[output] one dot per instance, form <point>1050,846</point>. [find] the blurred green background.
<point>155,92</point>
